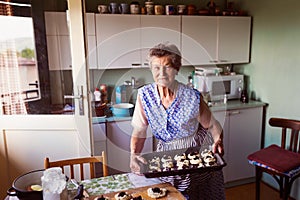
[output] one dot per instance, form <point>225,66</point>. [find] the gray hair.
<point>166,49</point>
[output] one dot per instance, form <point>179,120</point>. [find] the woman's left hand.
<point>218,147</point>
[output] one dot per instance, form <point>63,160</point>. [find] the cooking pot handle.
<point>11,192</point>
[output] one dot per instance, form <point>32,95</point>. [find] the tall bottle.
<point>118,94</point>
<point>97,94</point>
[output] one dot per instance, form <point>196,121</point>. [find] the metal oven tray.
<point>220,163</point>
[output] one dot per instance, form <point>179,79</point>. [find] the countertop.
<point>230,105</point>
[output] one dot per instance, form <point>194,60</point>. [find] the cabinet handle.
<point>234,112</point>
<point>135,64</point>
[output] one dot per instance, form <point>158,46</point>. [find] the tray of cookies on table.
<point>181,161</point>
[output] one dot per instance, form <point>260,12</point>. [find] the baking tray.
<point>220,163</point>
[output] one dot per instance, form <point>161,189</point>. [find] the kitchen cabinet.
<point>56,23</point>
<point>91,41</point>
<point>234,39</point>
<point>118,41</point>
<point>242,135</point>
<point>99,133</point>
<point>166,27</point>
<point>58,41</point>
<point>118,145</point>
<point>123,41</point>
<point>199,39</point>
<point>210,40</point>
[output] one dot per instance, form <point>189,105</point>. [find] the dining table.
<point>109,186</point>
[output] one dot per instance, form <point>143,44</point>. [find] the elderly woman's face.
<point>162,71</point>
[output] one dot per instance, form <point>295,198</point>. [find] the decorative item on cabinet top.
<point>149,7</point>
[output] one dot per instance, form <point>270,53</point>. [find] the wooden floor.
<point>247,192</point>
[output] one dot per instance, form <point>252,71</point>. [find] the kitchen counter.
<point>231,105</point>
<point>236,104</point>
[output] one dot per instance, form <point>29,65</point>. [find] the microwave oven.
<point>219,86</point>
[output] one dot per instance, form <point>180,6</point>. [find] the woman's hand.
<point>135,163</point>
<point>218,147</point>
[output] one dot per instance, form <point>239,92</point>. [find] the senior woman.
<point>178,118</point>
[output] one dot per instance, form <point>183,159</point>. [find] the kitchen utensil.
<point>158,9</point>
<point>113,8</point>
<point>191,9</point>
<point>124,8</point>
<point>220,163</point>
<point>170,9</point>
<point>149,7</point>
<point>122,109</point>
<point>102,9</point>
<point>135,8</point>
<point>22,183</point>
<point>181,9</point>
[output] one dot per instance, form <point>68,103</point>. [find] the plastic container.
<point>118,94</point>
<point>122,109</point>
<point>97,95</point>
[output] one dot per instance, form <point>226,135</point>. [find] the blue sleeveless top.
<point>179,119</point>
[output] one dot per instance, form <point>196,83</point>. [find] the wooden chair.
<point>72,163</point>
<point>282,162</point>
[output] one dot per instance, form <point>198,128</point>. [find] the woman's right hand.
<point>135,163</point>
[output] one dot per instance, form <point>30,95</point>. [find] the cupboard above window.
<point>123,41</point>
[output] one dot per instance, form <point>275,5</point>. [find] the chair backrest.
<point>294,127</point>
<point>79,162</point>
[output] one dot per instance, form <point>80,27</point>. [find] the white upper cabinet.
<point>234,39</point>
<point>91,56</point>
<point>210,40</point>
<point>157,29</point>
<point>56,23</point>
<point>118,41</point>
<point>123,41</point>
<point>199,40</point>
<point>58,41</point>
<point>90,24</point>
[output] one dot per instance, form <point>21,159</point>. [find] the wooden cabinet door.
<point>118,41</point>
<point>199,40</point>
<point>157,29</point>
<point>234,39</point>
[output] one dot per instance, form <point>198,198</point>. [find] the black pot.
<point>20,186</point>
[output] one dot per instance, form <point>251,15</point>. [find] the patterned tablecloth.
<point>114,183</point>
<point>108,184</point>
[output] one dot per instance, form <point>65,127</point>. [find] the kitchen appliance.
<point>219,86</point>
<point>208,71</point>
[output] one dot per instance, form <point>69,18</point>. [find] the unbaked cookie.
<point>102,198</point>
<point>123,196</point>
<point>156,192</point>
